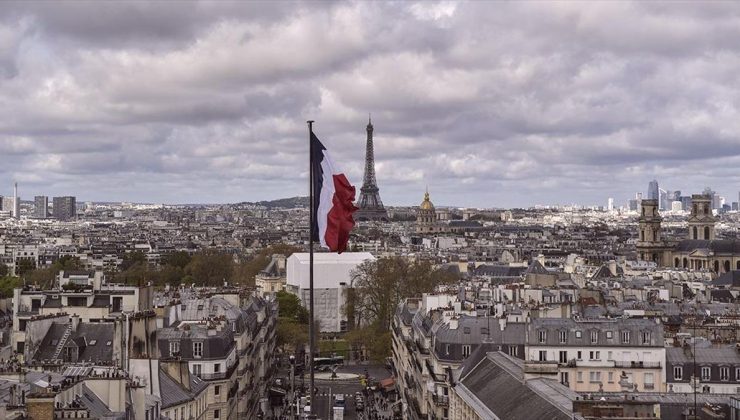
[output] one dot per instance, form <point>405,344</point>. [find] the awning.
<point>388,383</point>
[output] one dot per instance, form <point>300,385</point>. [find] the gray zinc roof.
<point>495,386</point>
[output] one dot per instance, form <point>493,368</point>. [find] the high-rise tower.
<point>370,206</point>
<point>16,202</point>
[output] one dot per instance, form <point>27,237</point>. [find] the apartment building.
<point>598,355</point>
<point>84,295</point>
<point>210,351</point>
<point>252,323</point>
<point>432,337</point>
<point>713,370</point>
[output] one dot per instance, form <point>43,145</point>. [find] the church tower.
<point>650,244</point>
<point>701,219</point>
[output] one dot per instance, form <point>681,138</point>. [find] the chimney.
<point>178,370</point>
<point>453,323</point>
<point>75,320</point>
<point>613,267</point>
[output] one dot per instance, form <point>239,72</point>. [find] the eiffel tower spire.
<point>370,205</point>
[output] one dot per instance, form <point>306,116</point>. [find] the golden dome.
<point>426,204</point>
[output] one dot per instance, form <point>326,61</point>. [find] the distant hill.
<point>284,203</point>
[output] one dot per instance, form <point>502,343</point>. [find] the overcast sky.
<point>487,103</point>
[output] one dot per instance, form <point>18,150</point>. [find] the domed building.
<point>427,218</point>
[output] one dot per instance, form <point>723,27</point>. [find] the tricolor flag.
<point>333,198</point>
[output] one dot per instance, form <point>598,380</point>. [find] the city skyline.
<point>155,103</point>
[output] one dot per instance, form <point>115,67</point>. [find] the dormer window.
<point>542,336</point>
<point>594,337</point>
<point>625,337</point>
<point>646,337</point>
<point>563,337</point>
<point>198,349</point>
<point>174,348</point>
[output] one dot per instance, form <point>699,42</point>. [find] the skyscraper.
<point>653,192</point>
<point>64,208</point>
<point>41,206</point>
<point>16,202</point>
<point>370,206</point>
<point>663,199</point>
<point>610,204</point>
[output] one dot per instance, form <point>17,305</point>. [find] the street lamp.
<point>292,377</point>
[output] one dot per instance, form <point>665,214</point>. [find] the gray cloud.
<point>490,104</point>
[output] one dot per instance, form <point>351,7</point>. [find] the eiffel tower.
<point>370,205</point>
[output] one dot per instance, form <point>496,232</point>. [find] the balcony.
<point>637,365</point>
<point>218,375</point>
<point>441,400</point>
<point>547,367</point>
<point>437,377</point>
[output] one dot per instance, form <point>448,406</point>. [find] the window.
<point>625,337</point>
<point>217,368</point>
<point>724,374</point>
<point>611,377</point>
<point>564,378</point>
<point>563,357</point>
<point>737,375</point>
<point>542,335</point>
<point>677,373</point>
<point>217,390</point>
<point>578,355</point>
<point>513,351</point>
<point>447,349</point>
<point>198,349</point>
<point>196,370</point>
<point>563,337</point>
<point>216,414</point>
<point>543,356</point>
<point>649,381</point>
<point>466,350</point>
<point>579,376</point>
<point>706,373</point>
<point>578,334</point>
<point>609,355</point>
<point>646,337</point>
<point>594,337</point>
<point>594,355</point>
<point>594,377</point>
<point>174,348</point>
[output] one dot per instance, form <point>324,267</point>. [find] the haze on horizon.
<point>489,104</point>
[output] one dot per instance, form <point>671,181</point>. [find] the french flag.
<point>333,198</point>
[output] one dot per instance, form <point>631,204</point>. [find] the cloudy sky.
<point>487,103</point>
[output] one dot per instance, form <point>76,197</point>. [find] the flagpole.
<point>311,340</point>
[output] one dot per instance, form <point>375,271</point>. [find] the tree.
<point>24,265</point>
<point>381,284</point>
<point>45,277</point>
<point>246,271</point>
<point>291,335</point>
<point>3,270</point>
<point>7,284</point>
<point>210,268</point>
<point>179,259</point>
<point>289,306</point>
<point>132,258</point>
<point>67,263</point>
